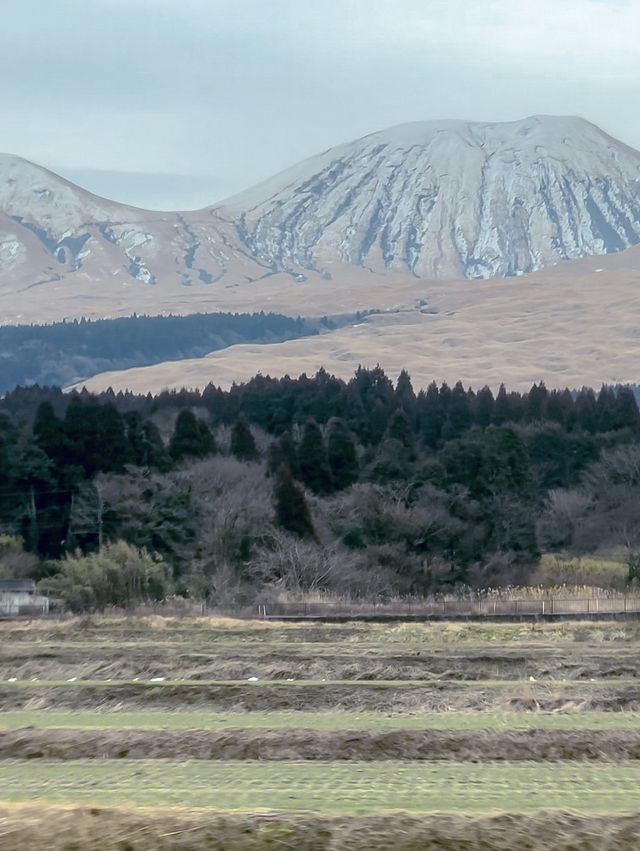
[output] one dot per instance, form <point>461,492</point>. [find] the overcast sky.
<point>179,103</point>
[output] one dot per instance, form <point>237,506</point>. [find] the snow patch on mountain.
<point>449,199</point>
<point>427,200</point>
<point>9,250</point>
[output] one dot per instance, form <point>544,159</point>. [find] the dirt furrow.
<point>437,696</point>
<point>108,829</point>
<point>335,745</point>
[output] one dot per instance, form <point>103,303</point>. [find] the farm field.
<point>151,732</point>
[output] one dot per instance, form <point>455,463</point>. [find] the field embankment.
<point>208,733</point>
<point>60,828</point>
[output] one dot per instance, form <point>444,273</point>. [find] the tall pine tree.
<point>243,444</point>
<point>312,459</point>
<point>292,511</point>
<point>341,454</point>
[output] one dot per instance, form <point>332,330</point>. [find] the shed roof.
<point>21,586</point>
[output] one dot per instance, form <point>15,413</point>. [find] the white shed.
<point>18,597</point>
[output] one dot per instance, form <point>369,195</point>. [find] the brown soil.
<point>269,697</point>
<point>237,662</point>
<point>335,745</point>
<point>108,829</point>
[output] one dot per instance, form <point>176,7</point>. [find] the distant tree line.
<point>362,486</point>
<point>64,352</point>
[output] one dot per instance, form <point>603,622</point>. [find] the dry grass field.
<point>570,325</point>
<point>147,732</point>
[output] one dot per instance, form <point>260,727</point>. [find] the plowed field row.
<point>112,730</point>
<point>295,744</point>
<point>355,696</point>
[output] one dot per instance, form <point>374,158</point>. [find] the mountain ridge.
<point>423,201</point>
<point>450,199</point>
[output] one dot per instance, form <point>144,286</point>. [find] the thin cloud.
<point>237,91</point>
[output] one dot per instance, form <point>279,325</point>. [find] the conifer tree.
<point>483,409</point>
<point>404,396</point>
<point>586,410</point>
<point>113,450</point>
<point>559,407</point>
<point>79,428</point>
<point>145,443</point>
<point>502,408</point>
<point>430,415</point>
<point>537,402</point>
<point>283,451</point>
<point>400,429</point>
<point>458,414</point>
<point>292,510</point>
<point>243,444</point>
<point>191,437</point>
<point>312,459</point>
<point>207,440</point>
<point>47,431</point>
<point>625,410</point>
<point>8,443</point>
<point>376,395</point>
<point>33,477</point>
<point>570,417</point>
<point>341,454</point>
<point>605,409</point>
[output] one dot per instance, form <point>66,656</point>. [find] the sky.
<point>176,104</point>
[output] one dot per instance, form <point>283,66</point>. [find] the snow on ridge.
<point>428,199</point>
<point>449,198</point>
<point>27,188</point>
<point>547,126</point>
<point>447,134</point>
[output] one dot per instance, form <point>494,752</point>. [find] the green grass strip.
<point>154,719</point>
<point>352,789</point>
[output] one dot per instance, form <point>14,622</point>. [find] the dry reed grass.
<point>58,828</point>
<point>296,744</point>
<point>419,696</point>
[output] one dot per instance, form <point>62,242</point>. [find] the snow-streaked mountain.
<point>55,236</point>
<point>449,199</point>
<point>427,200</point>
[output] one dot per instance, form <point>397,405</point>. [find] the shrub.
<point>118,575</point>
<point>15,563</point>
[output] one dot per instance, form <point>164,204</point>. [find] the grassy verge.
<point>156,720</point>
<point>115,729</point>
<point>88,631</point>
<point>54,828</point>
<point>349,789</point>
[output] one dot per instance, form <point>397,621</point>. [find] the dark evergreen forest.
<point>362,486</point>
<point>65,352</point>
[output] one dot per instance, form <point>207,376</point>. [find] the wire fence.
<point>490,607</point>
<point>447,607</point>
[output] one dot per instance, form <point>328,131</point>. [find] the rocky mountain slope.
<point>449,199</point>
<point>97,257</point>
<point>435,200</point>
